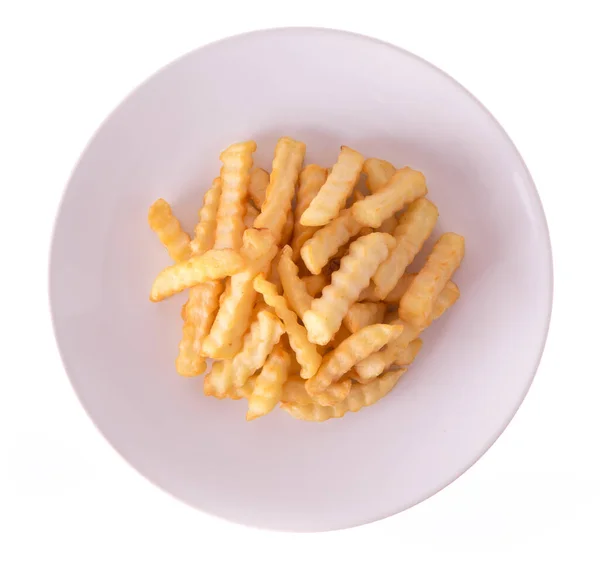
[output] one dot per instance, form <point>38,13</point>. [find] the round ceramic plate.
<point>325,88</point>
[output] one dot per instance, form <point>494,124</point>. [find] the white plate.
<point>326,88</point>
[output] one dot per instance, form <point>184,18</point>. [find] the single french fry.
<point>416,306</point>
<point>312,179</point>
<point>327,312</point>
<point>369,294</point>
<point>361,395</point>
<point>287,162</point>
<point>235,308</point>
<point>204,233</point>
<point>269,383</point>
<point>414,227</point>
<point>315,284</point>
<point>378,173</point>
<point>293,288</point>
<point>350,352</point>
<point>169,230</point>
<point>215,264</point>
<point>373,365</point>
<point>362,314</point>
<point>331,198</point>
<point>257,187</point>
<point>306,352</point>
<point>235,177</point>
<point>405,186</point>
<point>250,217</point>
<point>324,244</point>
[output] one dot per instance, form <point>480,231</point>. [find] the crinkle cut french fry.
<point>351,351</point>
<point>293,288</point>
<point>213,265</point>
<point>294,391</point>
<point>169,230</point>
<point>233,392</point>
<point>378,173</point>
<point>369,294</point>
<point>312,179</point>
<point>269,384</point>
<point>287,162</point>
<point>204,233</point>
<point>235,177</point>
<point>235,309</point>
<point>315,284</point>
<point>331,198</point>
<point>250,217</point>
<point>257,188</point>
<point>306,352</point>
<point>200,311</point>
<point>405,186</point>
<point>416,306</point>
<point>362,314</point>
<point>324,244</point>
<point>361,395</point>
<point>327,312</point>
<point>334,393</point>
<point>378,362</point>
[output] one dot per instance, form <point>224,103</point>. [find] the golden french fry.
<point>288,229</point>
<point>169,230</point>
<point>204,233</point>
<point>324,244</point>
<point>361,395</point>
<point>269,384</point>
<point>405,186</point>
<point>233,392</point>
<point>306,352</point>
<point>351,351</point>
<point>378,173</point>
<point>250,217</point>
<point>414,227</point>
<point>293,288</point>
<point>369,294</point>
<point>235,308</point>
<point>416,306</point>
<point>235,177</point>
<point>257,187</point>
<point>327,312</point>
<point>378,362</point>
<point>331,198</point>
<point>315,284</point>
<point>312,179</point>
<point>287,162</point>
<point>215,264</point>
<point>334,393</point>
<point>362,314</point>
<point>200,311</point>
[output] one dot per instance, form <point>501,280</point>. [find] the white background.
<point>65,493</point>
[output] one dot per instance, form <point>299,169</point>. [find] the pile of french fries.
<point>297,280</point>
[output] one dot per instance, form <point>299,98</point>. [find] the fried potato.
<point>405,186</point>
<point>327,312</point>
<point>378,362</point>
<point>306,352</point>
<point>416,306</point>
<point>378,173</point>
<point>235,177</point>
<point>294,289</point>
<point>362,314</point>
<point>312,179</point>
<point>414,227</point>
<point>334,393</point>
<point>204,233</point>
<point>269,384</point>
<point>315,284</point>
<point>325,243</point>
<point>369,294</point>
<point>169,230</point>
<point>294,391</point>
<point>287,162</point>
<point>361,395</point>
<point>233,392</point>
<point>200,311</point>
<point>257,187</point>
<point>288,229</point>
<point>215,264</point>
<point>250,217</point>
<point>331,198</point>
<point>235,307</point>
<point>350,352</point>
